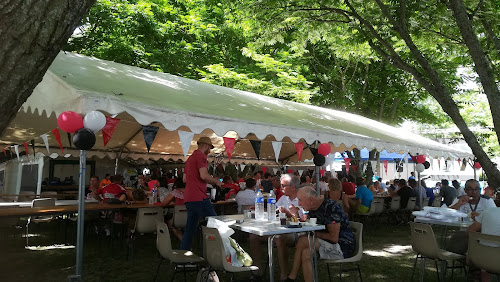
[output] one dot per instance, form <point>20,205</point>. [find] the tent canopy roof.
<point>142,97</point>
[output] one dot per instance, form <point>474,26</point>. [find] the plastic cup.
<point>282,218</point>
<point>248,214</point>
<point>312,221</point>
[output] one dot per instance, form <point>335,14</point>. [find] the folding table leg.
<point>270,240</point>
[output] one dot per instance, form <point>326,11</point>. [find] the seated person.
<point>266,183</point>
<point>363,200</point>
<point>176,197</point>
<point>375,188</point>
<point>105,181</point>
<point>335,242</point>
<point>490,192</point>
<point>472,203</point>
<point>429,192</point>
<point>111,191</point>
<point>348,186</point>
<point>488,222</point>
<point>289,204</point>
<point>334,189</point>
<point>228,184</point>
<point>405,192</point>
<point>247,196</point>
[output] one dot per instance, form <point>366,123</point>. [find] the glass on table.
<point>282,217</point>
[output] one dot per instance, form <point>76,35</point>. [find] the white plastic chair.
<point>357,229</point>
<point>180,258</point>
<point>39,203</point>
<point>145,223</point>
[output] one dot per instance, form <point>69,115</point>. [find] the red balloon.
<point>324,149</point>
<point>69,121</point>
<point>477,165</point>
<point>420,159</point>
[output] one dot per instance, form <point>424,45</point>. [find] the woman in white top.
<point>246,197</point>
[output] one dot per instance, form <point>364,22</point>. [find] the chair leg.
<point>359,271</point>
<point>422,268</point>
<point>414,265</point>
<point>173,275</point>
<point>184,270</point>
<point>340,274</point>
<point>329,276</point>
<point>158,268</point>
<point>437,270</point>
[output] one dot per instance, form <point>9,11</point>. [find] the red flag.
<point>299,147</point>
<point>26,150</point>
<point>355,168</point>
<point>55,131</point>
<point>385,166</point>
<point>229,144</point>
<point>109,129</point>
<point>264,169</point>
<point>290,171</point>
<point>4,152</point>
<point>347,162</point>
<point>321,172</point>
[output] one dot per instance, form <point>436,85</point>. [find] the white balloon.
<point>94,121</point>
<point>420,167</point>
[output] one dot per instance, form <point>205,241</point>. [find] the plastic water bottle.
<point>154,196</point>
<point>259,206</point>
<point>271,206</point>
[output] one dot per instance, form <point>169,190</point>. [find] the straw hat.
<point>205,140</point>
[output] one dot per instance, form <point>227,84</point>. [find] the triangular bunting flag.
<point>347,162</point>
<point>16,148</point>
<point>290,171</point>
<point>224,166</point>
<point>321,172</point>
<point>264,169</point>
<point>4,152</point>
<point>299,147</point>
<point>300,171</point>
<point>355,168</point>
<point>56,134</point>
<point>46,142</point>
<point>186,139</point>
<point>275,170</point>
<point>229,144</point>
<point>33,146</point>
<point>256,147</point>
<point>242,167</point>
<point>277,149</point>
<point>26,150</point>
<point>385,166</point>
<point>149,132</point>
<point>109,129</point>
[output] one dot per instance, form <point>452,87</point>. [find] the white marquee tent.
<point>142,97</point>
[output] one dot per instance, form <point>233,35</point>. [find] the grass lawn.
<point>387,257</point>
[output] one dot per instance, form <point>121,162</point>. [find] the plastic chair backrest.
<point>423,240</point>
<point>395,203</point>
<point>180,216</point>
<point>379,205</point>
<point>484,251</point>
<point>425,202</point>
<point>163,243</point>
<point>412,202</point>
<point>26,196</point>
<point>213,248</point>
<point>49,194</point>
<point>437,202</point>
<point>357,228</point>
<point>146,219</point>
<point>45,202</point>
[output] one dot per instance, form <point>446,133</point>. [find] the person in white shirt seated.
<point>488,222</point>
<point>246,197</point>
<point>289,204</point>
<point>473,204</point>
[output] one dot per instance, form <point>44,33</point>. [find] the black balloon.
<point>84,139</point>
<point>319,160</point>
<point>427,164</point>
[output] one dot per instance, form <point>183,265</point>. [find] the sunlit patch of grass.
<point>51,247</point>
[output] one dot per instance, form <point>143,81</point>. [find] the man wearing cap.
<point>196,199</point>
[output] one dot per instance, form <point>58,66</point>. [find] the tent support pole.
<point>116,165</point>
<point>316,173</point>
<point>81,213</point>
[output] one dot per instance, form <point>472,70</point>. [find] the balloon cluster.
<point>83,128</point>
<point>323,150</point>
<point>422,164</point>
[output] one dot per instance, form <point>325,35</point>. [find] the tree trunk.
<point>31,34</point>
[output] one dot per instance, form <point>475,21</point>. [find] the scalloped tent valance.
<point>142,97</point>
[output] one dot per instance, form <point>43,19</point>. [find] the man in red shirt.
<point>112,191</point>
<point>195,195</point>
